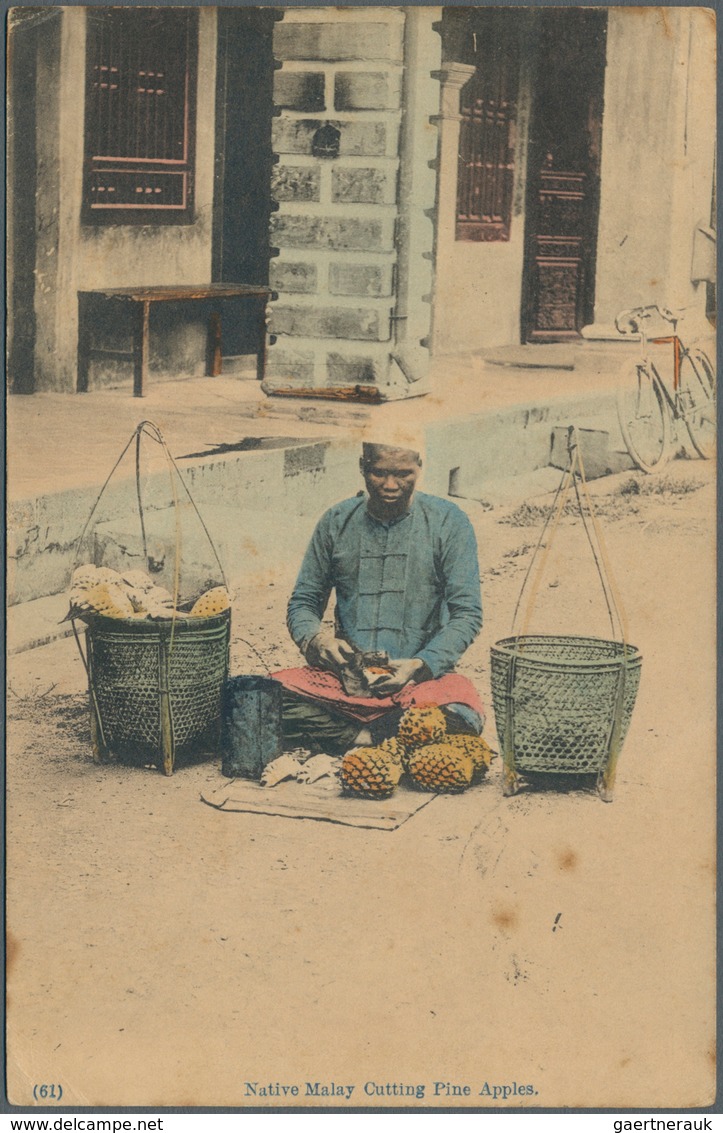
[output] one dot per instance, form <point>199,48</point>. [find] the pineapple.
<point>424,724</point>
<point>476,748</point>
<point>370,772</point>
<point>211,603</point>
<point>395,750</point>
<point>441,767</point>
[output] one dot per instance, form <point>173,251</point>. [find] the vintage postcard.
<point>361,557</point>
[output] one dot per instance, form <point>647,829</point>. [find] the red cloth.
<point>326,688</point>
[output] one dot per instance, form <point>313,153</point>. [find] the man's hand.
<point>327,651</point>
<point>404,671</point>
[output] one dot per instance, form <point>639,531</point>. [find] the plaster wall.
<point>478,284</point>
<point>72,256</point>
<point>478,294</point>
<point>245,499</point>
<point>657,157</point>
<point>486,447</point>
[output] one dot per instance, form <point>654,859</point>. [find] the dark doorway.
<point>244,111</point>
<point>563,174</point>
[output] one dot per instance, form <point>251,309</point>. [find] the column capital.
<point>454,74</point>
<point>452,77</point>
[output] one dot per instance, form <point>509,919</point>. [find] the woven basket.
<point>563,704</point>
<point>157,686</point>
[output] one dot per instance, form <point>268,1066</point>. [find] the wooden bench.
<point>140,300</point>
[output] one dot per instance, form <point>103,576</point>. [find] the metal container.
<point>251,733</point>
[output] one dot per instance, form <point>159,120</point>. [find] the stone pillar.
<point>417,213</point>
<point>452,77</point>
<point>336,137</point>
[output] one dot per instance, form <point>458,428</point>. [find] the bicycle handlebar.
<point>628,322</point>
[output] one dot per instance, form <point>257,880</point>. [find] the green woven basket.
<point>156,687</point>
<point>563,704</point>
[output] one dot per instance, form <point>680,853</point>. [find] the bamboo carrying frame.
<point>156,686</point>
<point>563,704</point>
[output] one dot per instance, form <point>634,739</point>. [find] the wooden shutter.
<point>487,131</point>
<point>139,128</point>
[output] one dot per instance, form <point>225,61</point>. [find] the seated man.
<point>404,568</point>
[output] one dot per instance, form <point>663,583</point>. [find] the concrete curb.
<point>247,499</point>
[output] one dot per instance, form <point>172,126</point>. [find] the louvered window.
<point>140,100</point>
<point>487,131</point>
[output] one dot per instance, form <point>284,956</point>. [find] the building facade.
<point>409,182</point>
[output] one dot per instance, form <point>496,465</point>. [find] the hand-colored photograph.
<point>361,511</point>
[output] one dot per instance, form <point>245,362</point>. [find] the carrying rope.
<point>138,494</point>
<point>150,430</point>
<point>86,666</point>
<point>573,478</point>
<point>605,570</point>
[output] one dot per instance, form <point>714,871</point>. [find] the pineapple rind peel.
<point>133,594</point>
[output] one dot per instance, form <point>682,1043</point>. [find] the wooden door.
<point>563,175</point>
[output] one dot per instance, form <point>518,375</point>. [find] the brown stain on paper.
<point>505,917</point>
<point>12,951</point>
<point>567,859</point>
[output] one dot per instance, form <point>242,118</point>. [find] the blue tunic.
<point>409,586</point>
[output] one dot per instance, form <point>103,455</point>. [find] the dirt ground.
<point>166,953</point>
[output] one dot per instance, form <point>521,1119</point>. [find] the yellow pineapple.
<point>370,772</point>
<point>441,767</point>
<point>423,724</point>
<point>394,748</point>
<point>476,748</point>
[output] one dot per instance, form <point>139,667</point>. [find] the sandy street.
<point>165,953</point>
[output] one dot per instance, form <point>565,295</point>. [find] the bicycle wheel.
<point>643,416</point>
<point>697,401</point>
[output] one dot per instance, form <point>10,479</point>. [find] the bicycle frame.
<point>689,398</point>
<point>678,351</point>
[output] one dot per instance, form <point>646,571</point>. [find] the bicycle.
<point>648,407</point>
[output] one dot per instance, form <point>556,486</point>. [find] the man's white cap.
<point>401,437</point>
